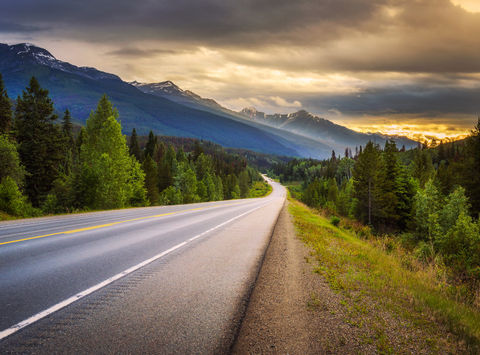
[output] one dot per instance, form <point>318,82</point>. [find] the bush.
<point>335,220</point>
<point>461,246</point>
<point>50,205</point>
<point>11,199</point>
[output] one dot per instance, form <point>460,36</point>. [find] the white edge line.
<point>13,329</point>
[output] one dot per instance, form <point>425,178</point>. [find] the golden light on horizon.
<point>417,132</point>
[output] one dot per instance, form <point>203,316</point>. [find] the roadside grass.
<point>260,189</point>
<point>6,217</point>
<point>379,285</point>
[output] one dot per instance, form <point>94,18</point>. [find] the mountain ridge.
<point>175,112</point>
<point>302,122</point>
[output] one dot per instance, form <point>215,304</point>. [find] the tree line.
<point>46,167</point>
<point>429,197</point>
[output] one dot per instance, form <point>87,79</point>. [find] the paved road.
<point>172,279</point>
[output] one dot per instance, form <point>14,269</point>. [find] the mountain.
<point>163,108</point>
<point>171,91</point>
<point>308,125</point>
<point>80,88</point>
<point>301,123</point>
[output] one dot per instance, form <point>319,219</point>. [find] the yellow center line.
<point>111,224</point>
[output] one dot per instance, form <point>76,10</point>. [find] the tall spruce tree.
<point>68,142</point>
<point>40,140</point>
<point>367,183</point>
<point>5,109</point>
<point>471,174</point>
<point>151,145</point>
<point>151,179</point>
<point>134,148</point>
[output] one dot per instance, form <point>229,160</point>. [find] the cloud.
<point>137,52</point>
<point>10,27</point>
<point>281,102</point>
<point>364,59</point>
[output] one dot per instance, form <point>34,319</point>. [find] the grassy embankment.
<point>378,280</point>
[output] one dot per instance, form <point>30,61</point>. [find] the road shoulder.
<point>292,310</point>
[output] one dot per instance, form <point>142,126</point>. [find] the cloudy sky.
<point>396,66</point>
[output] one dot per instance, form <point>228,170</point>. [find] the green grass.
<point>260,189</point>
<point>6,217</point>
<point>372,277</point>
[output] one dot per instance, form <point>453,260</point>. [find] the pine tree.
<point>243,183</point>
<point>423,168</point>
<point>197,150</point>
<point>151,179</point>
<point>69,150</point>
<point>471,173</point>
<point>67,128</point>
<point>151,145</point>
<point>5,109</point>
<point>40,141</point>
<point>388,199</point>
<point>134,148</point>
<point>181,156</point>
<point>366,182</point>
<point>166,169</point>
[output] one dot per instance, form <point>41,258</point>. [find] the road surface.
<point>170,279</point>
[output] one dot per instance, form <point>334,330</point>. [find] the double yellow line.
<point>109,224</point>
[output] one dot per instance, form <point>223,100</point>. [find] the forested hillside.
<point>426,198</point>
<point>45,168</point>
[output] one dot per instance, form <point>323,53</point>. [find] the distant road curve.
<point>170,279</point>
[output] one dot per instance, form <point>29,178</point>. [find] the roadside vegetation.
<point>399,303</point>
<point>401,224</point>
<point>47,168</point>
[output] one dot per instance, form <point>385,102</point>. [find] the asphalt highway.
<point>170,279</point>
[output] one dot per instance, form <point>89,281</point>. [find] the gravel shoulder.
<point>292,310</point>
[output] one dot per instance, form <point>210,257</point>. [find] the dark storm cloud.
<point>353,35</point>
<point>406,99</point>
<point>212,21</point>
<point>10,27</point>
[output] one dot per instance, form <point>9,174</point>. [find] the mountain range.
<point>166,109</point>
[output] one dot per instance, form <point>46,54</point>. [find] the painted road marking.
<point>13,329</point>
<point>113,224</point>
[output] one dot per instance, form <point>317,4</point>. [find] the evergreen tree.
<point>151,144</point>
<point>40,141</point>
<point>151,179</point>
<point>167,168</point>
<point>423,168</point>
<point>197,150</point>
<point>181,157</point>
<point>5,109</point>
<point>244,183</point>
<point>69,149</point>
<point>367,183</point>
<point>109,176</point>
<point>388,199</point>
<point>67,129</point>
<point>471,171</point>
<point>134,148</point>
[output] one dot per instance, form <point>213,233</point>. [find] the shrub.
<point>11,199</point>
<point>335,221</point>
